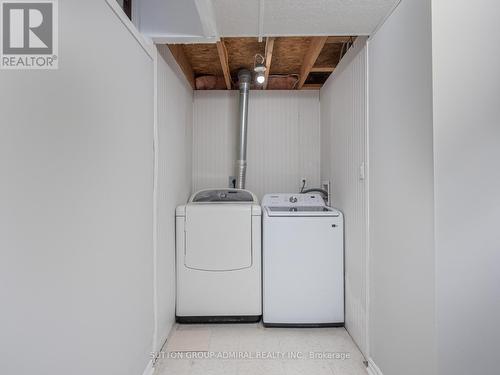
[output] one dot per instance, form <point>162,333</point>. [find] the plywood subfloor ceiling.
<point>292,62</point>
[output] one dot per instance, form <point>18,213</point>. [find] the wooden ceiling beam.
<point>322,69</point>
<point>339,39</point>
<point>310,58</point>
<point>224,62</point>
<point>269,57</point>
<point>312,86</point>
<point>178,52</point>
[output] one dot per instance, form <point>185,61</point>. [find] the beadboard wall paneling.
<point>343,156</point>
<point>175,118</point>
<point>283,140</point>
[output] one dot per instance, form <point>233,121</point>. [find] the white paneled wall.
<point>76,204</point>
<point>343,156</point>
<point>283,139</point>
<point>466,151</point>
<point>175,118</point>
<point>401,179</point>
<point>215,116</point>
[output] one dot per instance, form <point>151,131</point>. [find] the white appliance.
<point>218,246</point>
<point>303,261</point>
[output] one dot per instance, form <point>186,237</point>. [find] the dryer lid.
<point>223,195</point>
<point>218,236</point>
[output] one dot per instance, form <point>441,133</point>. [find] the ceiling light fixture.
<point>260,69</point>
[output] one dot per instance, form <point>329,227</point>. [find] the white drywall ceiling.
<point>300,17</point>
<point>191,21</point>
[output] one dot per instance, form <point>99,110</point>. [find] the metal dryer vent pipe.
<point>244,80</point>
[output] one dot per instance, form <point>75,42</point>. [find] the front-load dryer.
<point>218,257</point>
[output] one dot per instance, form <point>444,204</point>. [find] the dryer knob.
<point>293,199</point>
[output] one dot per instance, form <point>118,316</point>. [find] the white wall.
<point>467,150</point>
<point>76,204</point>
<point>402,335</point>
<point>283,139</point>
<point>343,154</point>
<point>175,119</point>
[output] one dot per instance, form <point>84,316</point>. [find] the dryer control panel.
<point>292,200</point>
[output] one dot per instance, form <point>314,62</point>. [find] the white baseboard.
<point>149,369</point>
<point>372,368</point>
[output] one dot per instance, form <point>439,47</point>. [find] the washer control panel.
<point>291,200</point>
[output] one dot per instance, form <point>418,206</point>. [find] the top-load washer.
<point>303,261</point>
<point>218,247</point>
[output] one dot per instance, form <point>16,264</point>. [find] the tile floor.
<point>282,351</point>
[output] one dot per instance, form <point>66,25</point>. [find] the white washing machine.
<point>218,263</point>
<point>303,261</point>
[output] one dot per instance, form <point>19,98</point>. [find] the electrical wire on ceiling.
<point>259,69</point>
<point>258,56</point>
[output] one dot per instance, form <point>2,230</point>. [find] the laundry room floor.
<point>229,349</point>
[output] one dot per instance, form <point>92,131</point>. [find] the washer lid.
<point>302,211</point>
<point>292,200</point>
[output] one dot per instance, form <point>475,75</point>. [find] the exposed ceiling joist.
<point>288,60</point>
<point>312,54</point>
<point>339,39</point>
<point>269,57</point>
<point>312,86</point>
<point>224,62</point>
<point>322,69</point>
<point>178,52</point>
